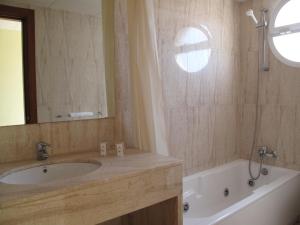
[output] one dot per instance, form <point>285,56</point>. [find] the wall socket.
<point>120,148</point>
<point>103,148</point>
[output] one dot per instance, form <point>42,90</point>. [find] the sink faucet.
<point>42,153</point>
<point>265,151</point>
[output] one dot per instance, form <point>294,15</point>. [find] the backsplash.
<point>279,103</point>
<point>19,142</point>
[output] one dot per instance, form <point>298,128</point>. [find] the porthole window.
<point>193,48</point>
<point>284,32</point>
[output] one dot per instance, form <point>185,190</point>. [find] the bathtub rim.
<point>230,165</point>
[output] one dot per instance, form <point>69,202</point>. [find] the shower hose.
<point>253,147</point>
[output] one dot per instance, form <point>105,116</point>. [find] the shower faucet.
<point>263,20</point>
<point>262,24</point>
<point>265,151</point>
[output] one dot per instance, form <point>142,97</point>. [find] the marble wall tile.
<point>201,107</point>
<point>296,153</point>
<point>210,114</point>
<point>225,133</point>
<point>279,90</point>
<point>246,127</point>
<point>18,143</point>
<point>124,120</point>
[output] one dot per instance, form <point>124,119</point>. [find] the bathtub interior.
<point>206,192</point>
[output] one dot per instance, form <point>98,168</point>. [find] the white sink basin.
<point>49,173</point>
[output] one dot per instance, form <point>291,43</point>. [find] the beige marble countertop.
<point>112,168</point>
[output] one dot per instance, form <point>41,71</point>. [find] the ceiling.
<point>92,7</point>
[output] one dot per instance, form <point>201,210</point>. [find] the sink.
<point>49,173</point>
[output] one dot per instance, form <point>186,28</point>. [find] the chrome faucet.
<point>42,153</point>
<point>265,151</point>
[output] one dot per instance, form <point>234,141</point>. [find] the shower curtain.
<point>146,79</point>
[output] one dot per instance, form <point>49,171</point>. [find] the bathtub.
<point>222,196</point>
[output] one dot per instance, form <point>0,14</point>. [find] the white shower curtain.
<point>146,78</point>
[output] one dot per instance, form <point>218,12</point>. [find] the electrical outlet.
<point>103,148</point>
<point>120,147</point>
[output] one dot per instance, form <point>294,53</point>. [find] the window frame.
<point>279,31</point>
<point>26,16</point>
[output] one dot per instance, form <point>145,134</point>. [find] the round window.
<point>194,50</point>
<point>284,33</point>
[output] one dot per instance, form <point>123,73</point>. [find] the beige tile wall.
<point>279,102</point>
<point>18,142</point>
<point>201,107</point>
<point>210,113</point>
<point>124,103</point>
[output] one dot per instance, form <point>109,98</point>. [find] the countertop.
<point>112,168</point>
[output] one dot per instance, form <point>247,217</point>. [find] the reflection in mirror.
<point>194,48</point>
<point>74,58</point>
<point>12,106</point>
<point>17,67</point>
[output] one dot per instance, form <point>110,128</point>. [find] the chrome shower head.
<point>250,13</point>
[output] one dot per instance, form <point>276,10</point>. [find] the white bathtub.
<point>274,200</point>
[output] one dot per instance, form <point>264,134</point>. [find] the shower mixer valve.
<point>266,152</point>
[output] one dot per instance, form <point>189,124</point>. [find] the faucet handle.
<point>262,150</point>
<point>265,151</point>
<point>42,153</point>
<point>272,154</point>
<point>42,146</point>
<point>42,143</point>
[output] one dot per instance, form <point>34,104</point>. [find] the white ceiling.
<point>92,7</point>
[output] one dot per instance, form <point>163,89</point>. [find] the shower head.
<point>250,13</point>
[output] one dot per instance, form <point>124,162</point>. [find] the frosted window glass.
<point>190,36</point>
<point>288,46</point>
<point>193,61</point>
<point>193,46</point>
<point>288,14</point>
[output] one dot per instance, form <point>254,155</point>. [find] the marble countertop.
<point>112,168</point>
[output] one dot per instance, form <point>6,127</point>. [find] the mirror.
<point>74,62</point>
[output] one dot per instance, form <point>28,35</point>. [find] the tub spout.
<point>265,151</point>
<point>272,154</point>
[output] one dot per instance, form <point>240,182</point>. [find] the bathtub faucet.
<point>265,151</point>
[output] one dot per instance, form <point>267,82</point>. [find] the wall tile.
<point>201,107</point>
<point>18,143</point>
<point>279,91</point>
